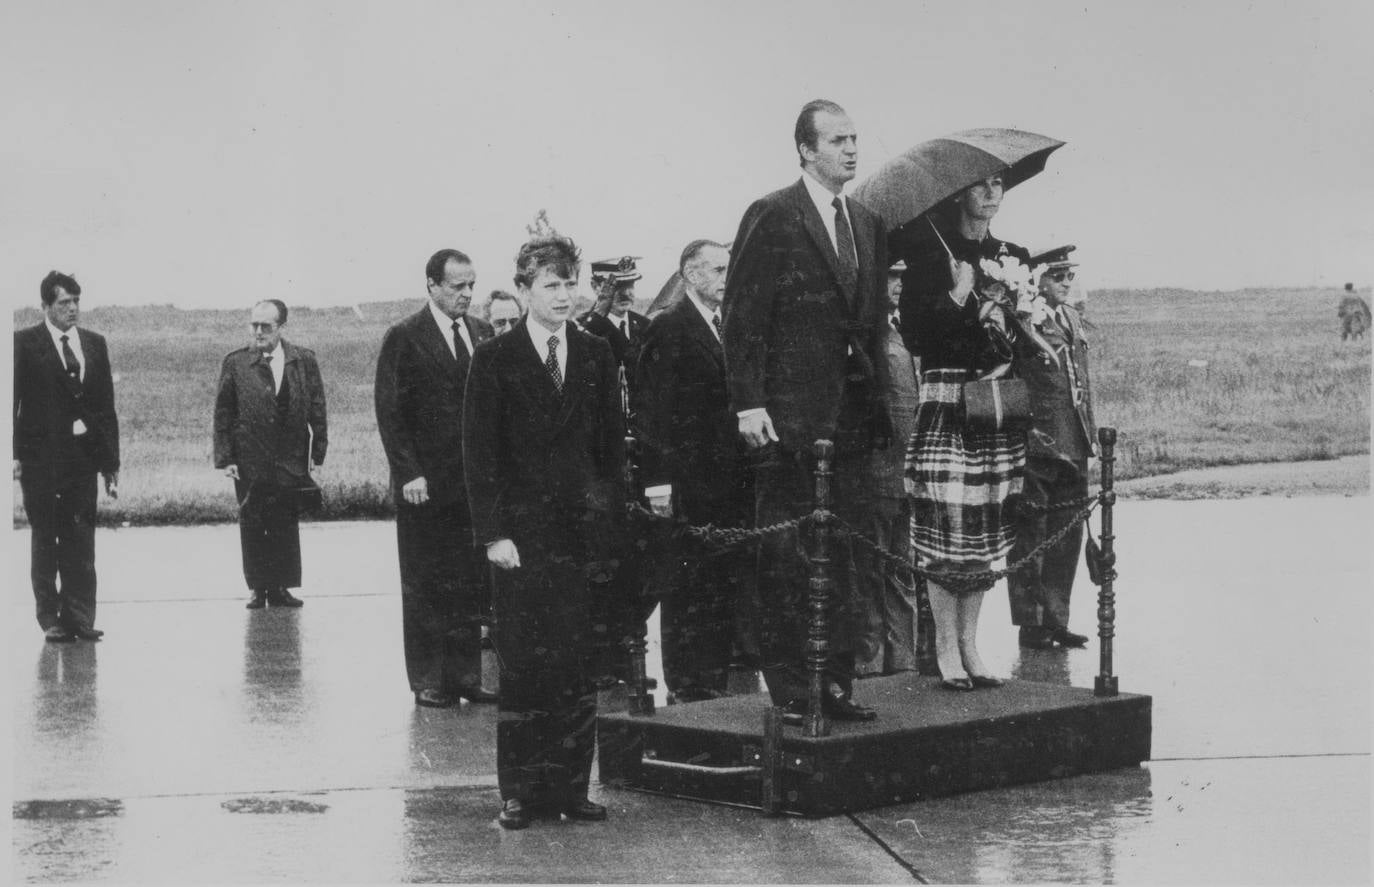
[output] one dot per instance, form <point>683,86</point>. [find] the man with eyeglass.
<point>1059,444</point>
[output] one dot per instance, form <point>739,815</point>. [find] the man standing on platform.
<point>543,446</point>
<point>270,425</point>
<point>612,317</point>
<point>421,372</point>
<point>691,458</point>
<point>890,638</point>
<point>65,433</point>
<point>805,322</point>
<point>1059,444</point>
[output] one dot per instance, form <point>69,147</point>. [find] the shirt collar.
<point>540,336</point>
<point>443,320</point>
<point>821,196</point>
<point>706,313</point>
<point>57,334</point>
<point>278,354</point>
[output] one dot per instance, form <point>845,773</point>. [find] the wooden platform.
<point>926,742</point>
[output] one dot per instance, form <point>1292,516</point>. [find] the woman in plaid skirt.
<point>958,480</point>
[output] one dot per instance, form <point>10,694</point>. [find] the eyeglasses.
<point>264,327</point>
<point>1061,276</point>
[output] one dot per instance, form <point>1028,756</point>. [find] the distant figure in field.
<point>418,394</point>
<point>1058,446</point>
<point>1354,314</point>
<point>502,310</point>
<point>65,432</point>
<point>269,426</point>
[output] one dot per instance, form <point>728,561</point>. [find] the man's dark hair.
<point>692,250</point>
<point>502,295</point>
<point>279,305</point>
<point>47,290</point>
<point>434,268</point>
<point>805,132</point>
<point>558,254</point>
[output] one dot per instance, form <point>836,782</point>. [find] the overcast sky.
<point>209,154</point>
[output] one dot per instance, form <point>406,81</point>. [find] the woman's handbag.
<point>997,405</point>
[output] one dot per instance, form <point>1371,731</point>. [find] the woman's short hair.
<point>558,254</point>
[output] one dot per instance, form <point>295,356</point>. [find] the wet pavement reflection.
<point>201,742</point>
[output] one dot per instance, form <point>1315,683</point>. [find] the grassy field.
<point>1278,385</point>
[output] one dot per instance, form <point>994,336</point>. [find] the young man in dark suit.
<point>270,425</point>
<point>692,466</point>
<point>804,314</point>
<point>421,373</point>
<point>1058,446</point>
<point>65,432</point>
<point>543,449</point>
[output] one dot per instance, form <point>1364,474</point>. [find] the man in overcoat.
<point>543,445</point>
<point>804,312</point>
<point>270,426</point>
<point>65,433</point>
<point>1059,443</point>
<point>421,372</point>
<point>692,458</point>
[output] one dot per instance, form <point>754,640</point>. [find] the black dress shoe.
<point>281,597</point>
<point>434,699</point>
<point>87,634</point>
<point>58,635</point>
<point>513,815</point>
<point>962,685</point>
<point>1065,638</point>
<point>985,680</point>
<point>258,600</point>
<point>1034,637</point>
<point>477,695</point>
<point>585,810</point>
<point>841,709</point>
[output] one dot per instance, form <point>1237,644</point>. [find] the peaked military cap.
<point>619,270</point>
<point>1053,259</point>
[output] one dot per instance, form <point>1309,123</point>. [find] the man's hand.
<point>231,471</point>
<point>112,484</point>
<point>416,492</point>
<point>502,553</point>
<point>757,429</point>
<point>962,274</point>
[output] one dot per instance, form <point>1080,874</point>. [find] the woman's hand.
<point>962,275</point>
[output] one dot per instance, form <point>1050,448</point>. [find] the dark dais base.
<point>926,742</point>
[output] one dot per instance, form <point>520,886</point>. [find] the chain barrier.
<point>899,567</point>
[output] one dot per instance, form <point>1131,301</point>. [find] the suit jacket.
<point>419,402</point>
<point>624,350</point>
<point>793,333</point>
<point>887,467</point>
<point>535,457</point>
<point>688,434</point>
<point>47,403</point>
<point>1063,427</point>
<point>249,433</point>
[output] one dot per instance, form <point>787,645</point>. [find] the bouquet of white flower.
<point>1009,289</point>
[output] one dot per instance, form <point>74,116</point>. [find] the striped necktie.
<point>551,364</point>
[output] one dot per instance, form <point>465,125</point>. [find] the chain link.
<point>1036,508</point>
<point>900,567</point>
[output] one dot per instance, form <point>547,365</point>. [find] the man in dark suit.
<point>1059,443</point>
<point>543,443</point>
<point>421,372</point>
<point>804,314</point>
<point>691,465</point>
<point>65,432</point>
<point>270,425</point>
<point>612,317</point>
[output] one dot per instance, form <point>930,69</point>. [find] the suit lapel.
<point>700,331</point>
<point>864,247</point>
<point>432,340</point>
<point>815,228</point>
<point>574,378</point>
<point>534,377</point>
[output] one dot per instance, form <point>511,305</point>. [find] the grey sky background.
<point>211,154</point>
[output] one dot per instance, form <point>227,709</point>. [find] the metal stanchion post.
<point>1106,684</point>
<point>822,586</point>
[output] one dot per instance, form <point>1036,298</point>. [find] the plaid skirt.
<point>958,481</point>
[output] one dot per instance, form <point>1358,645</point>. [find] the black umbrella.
<point>915,181</point>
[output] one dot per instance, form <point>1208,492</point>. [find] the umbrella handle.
<point>949,252</point>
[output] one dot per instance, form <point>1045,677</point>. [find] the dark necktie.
<point>69,361</point>
<point>715,322</point>
<point>844,243</point>
<point>460,347</point>
<point>266,371</point>
<point>551,364</point>
<point>625,328</point>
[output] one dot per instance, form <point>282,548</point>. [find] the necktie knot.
<point>715,323</point>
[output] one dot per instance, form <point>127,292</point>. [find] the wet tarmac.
<point>204,743</point>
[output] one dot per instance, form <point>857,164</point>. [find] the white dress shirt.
<point>278,366</point>
<point>73,340</point>
<point>540,337</point>
<point>823,199</point>
<point>446,329</point>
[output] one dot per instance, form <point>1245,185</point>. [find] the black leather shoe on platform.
<point>840,709</point>
<point>585,810</point>
<point>478,695</point>
<point>434,699</point>
<point>58,635</point>
<point>281,597</point>
<point>1034,637</point>
<point>1065,638</point>
<point>87,634</point>
<point>258,600</point>
<point>963,685</point>
<point>513,815</point>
